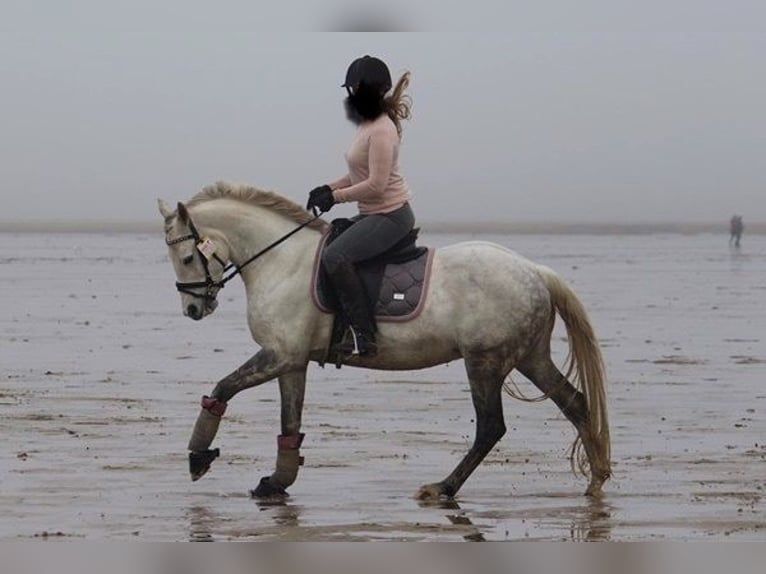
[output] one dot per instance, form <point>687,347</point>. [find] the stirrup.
<point>368,348</point>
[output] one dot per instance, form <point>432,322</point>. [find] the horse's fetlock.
<point>289,461</point>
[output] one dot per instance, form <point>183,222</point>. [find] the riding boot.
<point>352,297</point>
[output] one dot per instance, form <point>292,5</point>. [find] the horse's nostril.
<point>192,310</point>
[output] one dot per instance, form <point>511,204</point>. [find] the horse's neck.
<point>247,230</point>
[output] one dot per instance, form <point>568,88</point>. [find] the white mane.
<point>253,195</point>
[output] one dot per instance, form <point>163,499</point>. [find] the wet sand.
<point>101,378</point>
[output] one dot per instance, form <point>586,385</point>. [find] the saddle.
<point>395,281</point>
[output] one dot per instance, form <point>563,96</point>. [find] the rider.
<point>374,182</point>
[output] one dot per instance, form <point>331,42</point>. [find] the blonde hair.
<point>398,105</point>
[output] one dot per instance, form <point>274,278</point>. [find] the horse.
<point>484,303</point>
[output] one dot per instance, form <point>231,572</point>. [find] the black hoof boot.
<point>199,462</point>
<point>266,489</point>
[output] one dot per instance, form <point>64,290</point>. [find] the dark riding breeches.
<point>370,235</point>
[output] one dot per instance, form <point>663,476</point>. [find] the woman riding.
<point>374,182</point>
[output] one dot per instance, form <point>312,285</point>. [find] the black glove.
<point>321,198</point>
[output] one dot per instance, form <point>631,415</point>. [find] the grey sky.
<point>571,111</point>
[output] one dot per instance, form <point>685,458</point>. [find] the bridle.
<point>210,285</point>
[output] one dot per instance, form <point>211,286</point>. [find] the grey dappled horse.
<point>485,304</point>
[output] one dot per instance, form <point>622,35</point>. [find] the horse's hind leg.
<point>486,376</point>
<point>541,370</point>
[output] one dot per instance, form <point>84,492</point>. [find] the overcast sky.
<point>565,111</point>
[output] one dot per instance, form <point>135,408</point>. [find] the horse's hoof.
<point>594,492</point>
<point>266,489</point>
<point>594,489</point>
<point>435,491</point>
<point>199,462</point>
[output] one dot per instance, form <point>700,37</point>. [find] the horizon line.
<point>463,227</point>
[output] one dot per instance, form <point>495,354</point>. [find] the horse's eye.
<point>187,260</point>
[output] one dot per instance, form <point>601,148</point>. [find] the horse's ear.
<point>183,215</point>
<point>164,209</point>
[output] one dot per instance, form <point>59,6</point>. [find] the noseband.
<point>210,285</point>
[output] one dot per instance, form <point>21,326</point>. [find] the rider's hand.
<point>321,197</point>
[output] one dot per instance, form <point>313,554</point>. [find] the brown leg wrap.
<point>288,460</point>
<point>207,423</point>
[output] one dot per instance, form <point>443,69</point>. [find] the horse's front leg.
<point>292,388</point>
<point>265,365</point>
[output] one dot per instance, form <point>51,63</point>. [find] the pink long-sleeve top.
<point>373,178</point>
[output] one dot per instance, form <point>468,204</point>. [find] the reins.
<point>211,284</point>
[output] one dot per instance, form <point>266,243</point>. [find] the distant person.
<point>736,227</point>
<point>374,182</point>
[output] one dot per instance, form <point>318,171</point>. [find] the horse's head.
<point>199,262</point>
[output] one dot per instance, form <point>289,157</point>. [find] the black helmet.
<point>370,71</point>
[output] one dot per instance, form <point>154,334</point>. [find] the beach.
<point>101,379</point>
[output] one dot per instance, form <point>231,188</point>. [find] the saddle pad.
<point>397,291</point>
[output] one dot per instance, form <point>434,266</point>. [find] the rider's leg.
<point>368,237</point>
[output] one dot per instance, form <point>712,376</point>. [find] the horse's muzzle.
<point>199,310</point>
<point>194,311</point>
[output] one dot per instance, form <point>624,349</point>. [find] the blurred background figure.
<point>736,227</point>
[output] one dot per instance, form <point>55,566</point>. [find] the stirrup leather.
<point>355,350</point>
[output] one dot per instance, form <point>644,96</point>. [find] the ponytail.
<point>398,105</point>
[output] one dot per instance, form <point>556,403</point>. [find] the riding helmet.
<point>370,71</point>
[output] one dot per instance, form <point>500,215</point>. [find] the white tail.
<point>584,369</point>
